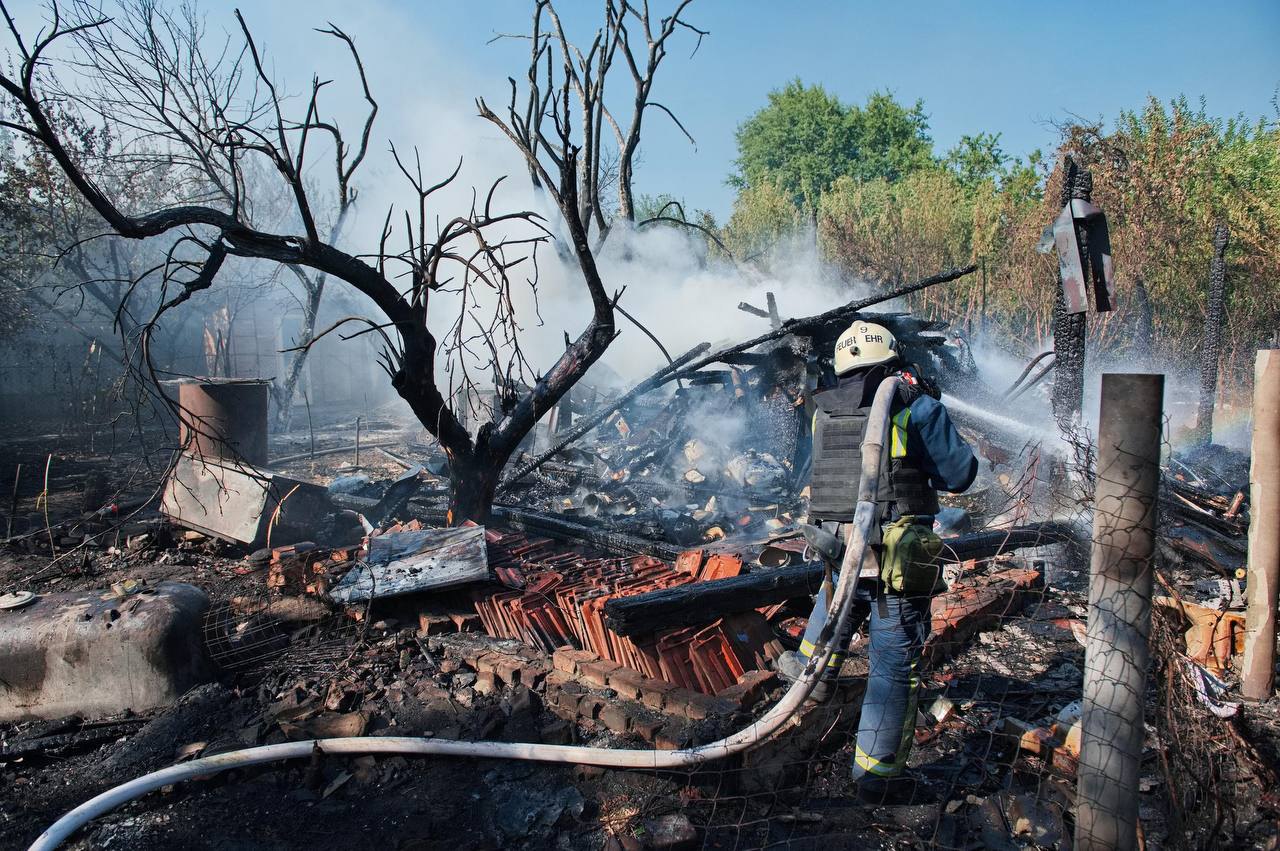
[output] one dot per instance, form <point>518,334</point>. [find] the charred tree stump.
<point>1214,318</point>
<point>1069,328</point>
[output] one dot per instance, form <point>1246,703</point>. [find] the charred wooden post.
<point>1069,328</point>
<point>1257,677</point>
<point>1214,319</point>
<point>1116,649</point>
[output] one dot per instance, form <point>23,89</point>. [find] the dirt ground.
<point>976,788</point>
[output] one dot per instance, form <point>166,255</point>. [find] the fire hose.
<point>759,731</point>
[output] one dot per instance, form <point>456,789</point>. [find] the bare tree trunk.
<point>285,390</point>
<point>1214,318</point>
<point>474,481</point>
<point>1069,328</point>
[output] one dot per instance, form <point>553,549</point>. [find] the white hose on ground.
<point>758,731</point>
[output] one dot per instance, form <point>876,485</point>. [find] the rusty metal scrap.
<point>1084,215</point>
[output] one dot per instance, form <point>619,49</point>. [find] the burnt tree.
<point>219,112</point>
<point>1211,348</point>
<point>1069,328</point>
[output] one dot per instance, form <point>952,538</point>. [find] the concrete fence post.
<point>1257,677</point>
<point>1120,584</point>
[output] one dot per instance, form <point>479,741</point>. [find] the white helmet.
<point>864,344</point>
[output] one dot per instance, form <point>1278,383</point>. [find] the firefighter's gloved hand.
<point>827,546</point>
<point>914,385</point>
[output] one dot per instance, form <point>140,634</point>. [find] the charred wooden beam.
<point>702,602</point>
<point>604,539</point>
<point>1214,319</point>
<point>1068,327</point>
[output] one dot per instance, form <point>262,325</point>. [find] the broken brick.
<point>647,727</point>
<point>566,659</point>
<point>509,669</point>
<point>429,624</point>
<point>597,671</point>
<point>672,737</point>
<point>654,692</point>
<point>627,683</point>
<point>590,705</point>
<point>615,717</point>
<point>486,682</point>
<point>750,687</point>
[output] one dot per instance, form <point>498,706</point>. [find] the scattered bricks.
<point>509,669</point>
<point>486,682</point>
<point>534,672</point>
<point>465,622</point>
<point>627,683</point>
<point>655,693</point>
<point>590,706</point>
<point>448,666</point>
<point>672,737</point>
<point>429,624</point>
<point>647,726</point>
<point>695,706</point>
<point>566,659</point>
<point>615,716</point>
<point>597,672</point>
<point>750,688</point>
<point>489,662</point>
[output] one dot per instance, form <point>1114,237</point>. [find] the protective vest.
<point>838,427</point>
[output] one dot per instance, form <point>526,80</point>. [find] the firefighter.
<point>900,574</point>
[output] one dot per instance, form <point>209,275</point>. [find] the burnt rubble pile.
<point>724,454</point>
<point>635,590</point>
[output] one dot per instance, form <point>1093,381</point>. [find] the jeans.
<point>899,626</point>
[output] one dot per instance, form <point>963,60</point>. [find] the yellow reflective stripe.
<point>871,765</point>
<point>898,434</point>
<point>807,648</point>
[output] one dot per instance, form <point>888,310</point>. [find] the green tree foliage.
<point>888,210</point>
<point>805,139</point>
<point>800,143</point>
<point>978,158</point>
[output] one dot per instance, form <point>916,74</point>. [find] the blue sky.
<point>993,66</point>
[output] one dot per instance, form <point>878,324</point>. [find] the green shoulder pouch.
<point>909,558</point>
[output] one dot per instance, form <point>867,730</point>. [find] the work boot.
<point>791,665</point>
